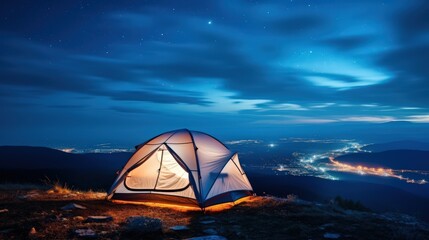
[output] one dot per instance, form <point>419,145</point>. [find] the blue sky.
<point>94,71</point>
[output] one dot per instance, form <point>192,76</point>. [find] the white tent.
<point>182,167</point>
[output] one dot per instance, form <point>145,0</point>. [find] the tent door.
<point>160,172</point>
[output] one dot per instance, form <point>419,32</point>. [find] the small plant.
<point>55,187</point>
<point>56,190</point>
<point>291,198</point>
<point>350,204</point>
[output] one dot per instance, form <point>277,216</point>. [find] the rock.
<point>78,218</point>
<point>29,195</point>
<point>209,237</point>
<point>210,231</point>
<point>141,225</point>
<point>32,231</point>
<point>85,233</point>
<point>4,210</point>
<point>99,219</point>
<point>72,206</point>
<point>22,197</point>
<point>331,235</point>
<point>205,222</point>
<point>179,228</point>
<point>52,218</point>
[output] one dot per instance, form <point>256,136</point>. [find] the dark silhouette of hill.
<point>26,157</point>
<point>36,157</point>
<point>23,164</point>
<point>97,171</point>
<point>396,159</point>
<point>375,196</point>
<point>398,145</point>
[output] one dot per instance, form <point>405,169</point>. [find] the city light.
<point>363,170</point>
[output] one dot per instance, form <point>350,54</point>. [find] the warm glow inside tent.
<point>182,167</point>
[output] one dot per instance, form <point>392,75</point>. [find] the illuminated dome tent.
<point>182,167</point>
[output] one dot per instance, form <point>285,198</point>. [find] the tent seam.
<point>230,158</point>
<point>198,167</point>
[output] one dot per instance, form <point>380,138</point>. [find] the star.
<point>209,22</point>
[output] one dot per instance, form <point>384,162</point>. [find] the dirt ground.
<point>37,214</point>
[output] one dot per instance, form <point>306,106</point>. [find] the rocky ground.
<point>57,214</point>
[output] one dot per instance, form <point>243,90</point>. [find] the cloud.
<point>261,63</point>
<point>409,84</point>
<point>418,118</point>
<point>51,71</point>
<point>218,52</point>
<point>412,23</point>
<point>298,24</point>
<point>322,105</point>
<point>282,107</point>
<point>64,106</point>
<point>344,82</point>
<point>408,62</point>
<point>146,96</point>
<point>372,119</point>
<point>314,121</point>
<point>123,109</point>
<point>370,105</point>
<point>410,108</point>
<point>404,59</point>
<point>296,120</point>
<point>348,43</point>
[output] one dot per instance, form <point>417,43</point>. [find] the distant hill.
<point>398,145</point>
<point>26,157</point>
<point>378,197</point>
<point>23,164</point>
<point>97,171</point>
<point>396,159</point>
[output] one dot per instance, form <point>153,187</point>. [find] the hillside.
<point>378,197</point>
<point>26,157</point>
<point>398,145</point>
<point>97,171</point>
<point>34,214</point>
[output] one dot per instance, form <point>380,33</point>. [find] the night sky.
<point>122,71</point>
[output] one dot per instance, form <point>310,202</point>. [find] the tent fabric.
<point>182,167</point>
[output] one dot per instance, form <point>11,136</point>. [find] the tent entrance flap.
<point>161,172</point>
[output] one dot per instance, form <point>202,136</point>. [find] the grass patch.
<point>350,204</point>
<point>62,190</point>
